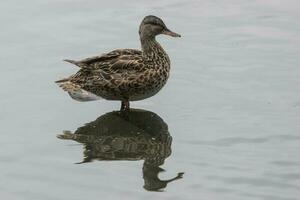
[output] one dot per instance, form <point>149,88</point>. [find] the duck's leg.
<point>125,105</point>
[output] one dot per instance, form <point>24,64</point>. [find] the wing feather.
<point>108,57</point>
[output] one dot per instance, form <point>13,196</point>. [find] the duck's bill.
<point>170,33</point>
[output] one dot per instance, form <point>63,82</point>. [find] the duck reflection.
<point>134,135</point>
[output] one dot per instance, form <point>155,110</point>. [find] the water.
<point>229,113</point>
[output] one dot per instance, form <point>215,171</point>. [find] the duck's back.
<point>105,61</point>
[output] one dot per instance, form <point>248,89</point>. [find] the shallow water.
<point>230,111</point>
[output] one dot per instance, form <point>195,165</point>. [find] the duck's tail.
<point>76,92</point>
<point>77,63</point>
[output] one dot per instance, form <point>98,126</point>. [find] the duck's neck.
<point>152,49</point>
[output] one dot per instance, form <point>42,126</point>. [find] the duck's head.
<point>152,26</point>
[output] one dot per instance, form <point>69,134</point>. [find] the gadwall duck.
<point>123,74</point>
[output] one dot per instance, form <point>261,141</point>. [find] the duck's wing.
<point>105,61</point>
<point>123,69</point>
<point>84,85</point>
<point>119,68</point>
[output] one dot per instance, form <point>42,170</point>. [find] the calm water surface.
<point>226,126</point>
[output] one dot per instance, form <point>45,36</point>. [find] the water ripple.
<point>285,176</point>
<point>230,141</point>
<point>257,182</point>
<point>283,163</point>
<point>267,196</point>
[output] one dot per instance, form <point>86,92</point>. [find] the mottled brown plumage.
<point>123,74</point>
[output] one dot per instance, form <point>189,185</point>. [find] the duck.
<point>123,74</point>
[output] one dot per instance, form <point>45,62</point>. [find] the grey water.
<point>226,125</point>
